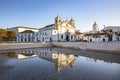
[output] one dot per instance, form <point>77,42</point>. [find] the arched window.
<point>61,36</point>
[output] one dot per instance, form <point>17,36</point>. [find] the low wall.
<point>9,46</point>
<point>113,47</point>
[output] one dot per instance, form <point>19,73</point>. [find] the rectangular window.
<point>45,33</point>
<point>71,37</point>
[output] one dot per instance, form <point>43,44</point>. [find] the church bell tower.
<point>95,27</point>
<point>58,20</point>
<point>72,22</point>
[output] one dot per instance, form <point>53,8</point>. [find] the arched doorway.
<point>67,37</point>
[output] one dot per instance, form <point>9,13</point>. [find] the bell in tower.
<point>58,20</point>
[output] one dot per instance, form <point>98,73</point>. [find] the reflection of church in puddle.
<point>60,60</point>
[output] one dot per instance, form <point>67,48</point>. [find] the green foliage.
<point>96,36</point>
<point>11,35</point>
<point>3,34</point>
<point>118,33</point>
<point>110,30</point>
<point>109,34</point>
<point>7,35</point>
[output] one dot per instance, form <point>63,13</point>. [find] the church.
<point>58,31</point>
<point>109,33</point>
<point>95,35</point>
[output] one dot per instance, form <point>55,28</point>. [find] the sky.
<point>39,13</point>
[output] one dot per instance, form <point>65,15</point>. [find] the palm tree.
<point>118,34</point>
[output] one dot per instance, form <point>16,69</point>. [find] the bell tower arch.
<point>58,20</point>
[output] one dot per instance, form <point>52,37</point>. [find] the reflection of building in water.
<point>64,60</point>
<point>19,54</point>
<point>24,54</point>
<point>25,51</point>
<point>60,60</point>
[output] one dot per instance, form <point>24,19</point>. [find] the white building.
<point>26,36</point>
<point>95,35</point>
<point>59,31</point>
<point>115,32</point>
<point>79,36</point>
<point>114,28</point>
<point>110,33</point>
<point>21,36</point>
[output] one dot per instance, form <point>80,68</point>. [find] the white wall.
<point>45,35</point>
<point>111,46</point>
<point>23,29</point>
<point>22,45</point>
<point>54,35</point>
<point>25,37</point>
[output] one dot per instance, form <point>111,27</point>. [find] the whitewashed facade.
<point>26,36</point>
<point>102,36</point>
<point>79,36</point>
<point>59,31</point>
<point>21,37</point>
<point>115,31</point>
<point>95,35</point>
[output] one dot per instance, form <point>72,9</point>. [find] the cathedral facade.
<point>59,31</point>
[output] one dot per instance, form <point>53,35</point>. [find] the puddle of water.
<point>58,64</point>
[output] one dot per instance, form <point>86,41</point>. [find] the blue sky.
<point>38,13</point>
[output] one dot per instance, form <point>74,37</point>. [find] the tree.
<point>11,35</point>
<point>95,35</point>
<point>109,34</point>
<point>3,34</point>
<point>118,33</point>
